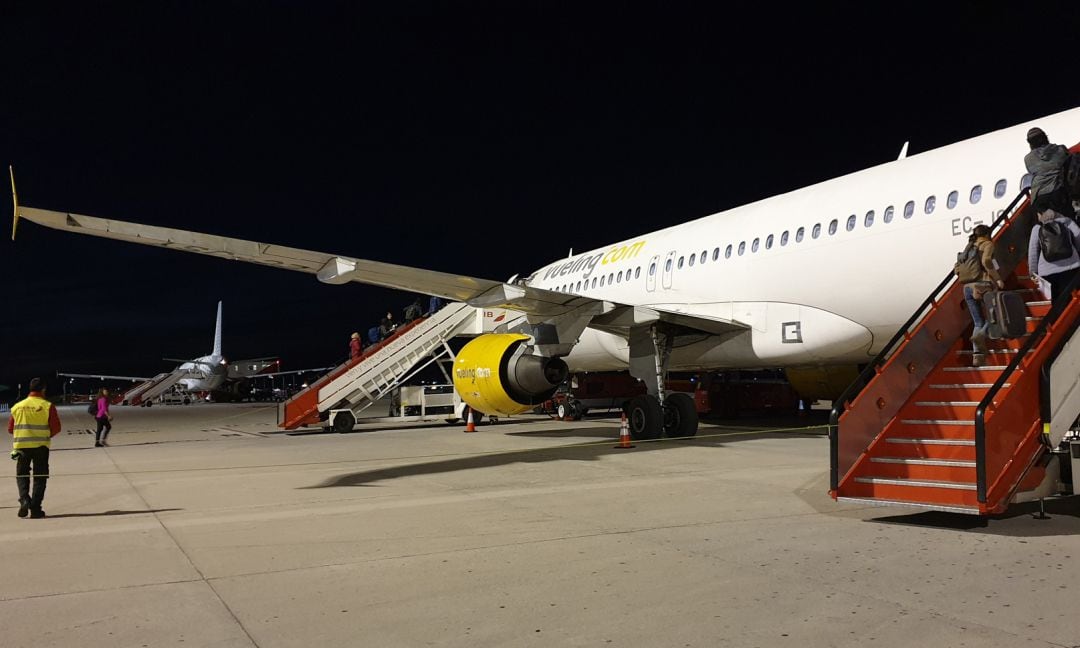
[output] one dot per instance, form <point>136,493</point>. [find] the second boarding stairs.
<point>145,393</point>
<point>924,427</point>
<point>359,383</point>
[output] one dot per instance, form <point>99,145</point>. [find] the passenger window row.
<point>974,196</point>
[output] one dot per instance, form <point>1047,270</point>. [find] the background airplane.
<point>212,375</point>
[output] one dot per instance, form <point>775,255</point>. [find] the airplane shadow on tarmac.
<point>110,513</point>
<point>590,451</point>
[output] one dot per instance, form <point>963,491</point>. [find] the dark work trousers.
<point>39,459</point>
<point>103,423</point>
<point>1058,282</point>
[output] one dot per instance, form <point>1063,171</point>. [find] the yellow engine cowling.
<point>495,374</point>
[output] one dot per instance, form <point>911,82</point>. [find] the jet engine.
<point>497,374</point>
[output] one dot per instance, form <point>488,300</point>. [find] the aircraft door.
<point>669,268</point>
<point>650,277</point>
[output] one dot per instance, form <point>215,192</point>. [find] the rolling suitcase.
<point>1006,314</point>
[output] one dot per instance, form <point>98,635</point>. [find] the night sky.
<point>479,138</point>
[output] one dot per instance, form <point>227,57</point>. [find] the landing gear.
<point>650,350</point>
<point>646,417</point>
<point>680,416</point>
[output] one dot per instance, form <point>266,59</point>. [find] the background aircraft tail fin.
<point>217,332</point>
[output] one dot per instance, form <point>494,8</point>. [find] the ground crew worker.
<point>34,422</point>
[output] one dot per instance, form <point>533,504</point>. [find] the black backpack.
<point>91,409</point>
<point>1070,174</point>
<point>1055,241</point>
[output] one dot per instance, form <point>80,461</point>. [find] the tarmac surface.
<point>206,526</point>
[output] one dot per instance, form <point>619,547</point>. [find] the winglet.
<point>903,151</point>
<point>14,202</point>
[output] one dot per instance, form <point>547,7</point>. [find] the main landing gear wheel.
<point>680,416</point>
<point>646,418</point>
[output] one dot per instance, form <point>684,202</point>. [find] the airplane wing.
<point>290,372</point>
<point>101,376</point>
<point>338,269</point>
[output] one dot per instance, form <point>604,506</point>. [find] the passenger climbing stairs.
<point>360,383</point>
<point>924,427</point>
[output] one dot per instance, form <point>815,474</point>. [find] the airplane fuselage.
<point>821,275</point>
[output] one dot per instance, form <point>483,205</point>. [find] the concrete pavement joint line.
<point>491,453</point>
<point>99,590</point>
<point>191,562</point>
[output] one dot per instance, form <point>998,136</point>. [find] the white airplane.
<point>210,374</point>
<point>816,281</point>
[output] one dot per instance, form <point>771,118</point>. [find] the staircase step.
<point>965,385</point>
<point>979,369</point>
<point>931,442</point>
<point>936,422</point>
<point>989,352</point>
<point>913,461</point>
<point>946,403</point>
<point>966,510</point>
<point>916,483</point>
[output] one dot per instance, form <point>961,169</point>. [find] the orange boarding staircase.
<point>922,427</point>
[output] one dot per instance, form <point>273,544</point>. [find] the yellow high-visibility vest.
<point>31,423</point>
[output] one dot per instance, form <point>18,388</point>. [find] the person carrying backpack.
<point>1045,162</point>
<point>976,270</point>
<point>1052,251</point>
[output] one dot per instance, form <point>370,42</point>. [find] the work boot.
<point>24,509</point>
<point>37,514</point>
<point>97,444</point>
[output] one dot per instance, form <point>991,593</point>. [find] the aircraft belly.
<point>779,335</point>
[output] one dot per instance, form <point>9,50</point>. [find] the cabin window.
<point>832,226</point>
<point>950,201</point>
<point>816,232</point>
<point>783,238</point>
<point>887,216</point>
<point>715,254</point>
<point>594,278</point>
<point>1000,188</point>
<point>754,245</point>
<point>601,281</point>
<point>682,262</point>
<point>799,233</point>
<point>742,247</point>
<point>851,220</point>
<point>704,256</point>
<point>652,269</point>
<point>976,194</point>
<point>928,206</point>
<point>768,242</point>
<point>727,251</point>
<point>909,209</point>
<point>667,266</point>
<point>618,277</point>
<point>869,219</point>
<point>693,257</point>
<point>637,272</point>
<point>1025,182</point>
<point>579,286</point>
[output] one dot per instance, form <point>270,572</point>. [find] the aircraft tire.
<point>344,422</point>
<point>680,416</point>
<point>645,417</point>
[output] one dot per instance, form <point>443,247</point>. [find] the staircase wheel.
<point>344,422</point>
<point>680,416</point>
<point>646,417</point>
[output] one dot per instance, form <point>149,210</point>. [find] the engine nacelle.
<point>496,374</point>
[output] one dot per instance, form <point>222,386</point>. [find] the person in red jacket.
<point>354,346</point>
<point>33,424</point>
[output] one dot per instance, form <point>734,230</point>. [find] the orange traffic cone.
<point>470,426</point>
<point>624,435</point>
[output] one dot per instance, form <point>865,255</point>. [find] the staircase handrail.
<point>871,370</point>
<point>1051,318</point>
